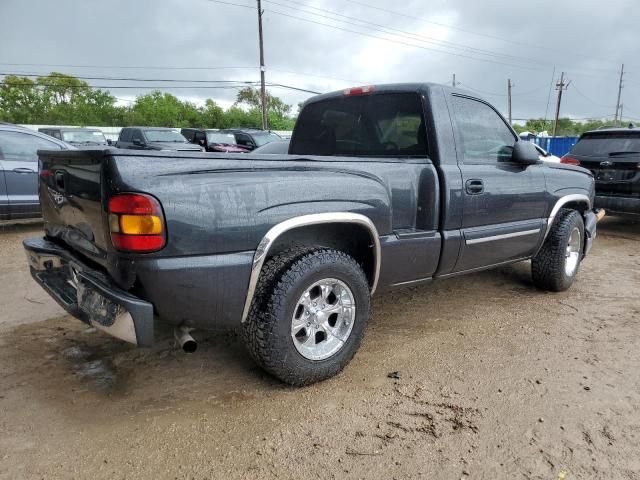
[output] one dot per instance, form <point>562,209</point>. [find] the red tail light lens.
<point>569,160</point>
<point>136,223</point>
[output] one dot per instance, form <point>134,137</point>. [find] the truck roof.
<point>418,87</point>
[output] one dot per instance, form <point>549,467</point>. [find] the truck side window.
<point>244,140</point>
<point>137,135</point>
<point>125,135</point>
<point>485,136</point>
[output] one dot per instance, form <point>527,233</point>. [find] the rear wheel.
<point>556,265</point>
<point>311,315</point>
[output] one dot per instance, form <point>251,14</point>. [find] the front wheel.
<point>310,317</point>
<point>556,265</point>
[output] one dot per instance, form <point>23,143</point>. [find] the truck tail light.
<point>359,90</point>
<point>569,160</point>
<point>136,223</point>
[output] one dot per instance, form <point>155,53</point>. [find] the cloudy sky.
<point>324,45</point>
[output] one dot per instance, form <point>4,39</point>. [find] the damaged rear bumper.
<point>88,294</point>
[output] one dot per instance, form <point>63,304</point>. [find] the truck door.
<point>503,202</point>
<point>19,157</point>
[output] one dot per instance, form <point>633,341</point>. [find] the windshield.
<point>224,138</point>
<point>608,144</point>
<point>264,138</point>
<point>387,125</point>
<point>168,136</point>
<point>84,136</point>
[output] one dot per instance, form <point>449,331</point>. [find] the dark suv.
<point>213,140</point>
<point>76,136</point>
<point>154,138</point>
<point>251,138</point>
<point>613,156</point>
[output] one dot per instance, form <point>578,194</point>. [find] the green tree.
<point>159,109</point>
<point>212,115</point>
<point>20,100</point>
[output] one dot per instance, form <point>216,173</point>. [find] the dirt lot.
<point>497,380</point>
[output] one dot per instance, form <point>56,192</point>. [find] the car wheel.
<point>310,316</point>
<point>556,265</point>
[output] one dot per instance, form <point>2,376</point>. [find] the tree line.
<point>59,99</point>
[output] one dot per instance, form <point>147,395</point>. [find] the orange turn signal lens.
<point>140,225</point>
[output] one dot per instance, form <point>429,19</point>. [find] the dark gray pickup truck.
<point>383,187</point>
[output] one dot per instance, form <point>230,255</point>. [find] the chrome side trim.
<point>305,220</point>
<point>574,197</point>
<point>474,241</point>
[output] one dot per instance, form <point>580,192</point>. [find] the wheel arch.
<point>317,229</point>
<point>575,201</point>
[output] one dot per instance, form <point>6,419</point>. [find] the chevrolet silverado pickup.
<point>382,187</point>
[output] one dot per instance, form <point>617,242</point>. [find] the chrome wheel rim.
<point>572,255</point>
<point>323,319</point>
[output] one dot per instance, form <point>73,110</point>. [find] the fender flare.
<point>276,231</point>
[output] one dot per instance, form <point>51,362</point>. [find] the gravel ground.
<point>495,380</point>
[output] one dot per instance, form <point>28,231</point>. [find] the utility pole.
<point>263,93</point>
<point>560,87</point>
<point>509,86</point>
<point>453,83</point>
<point>618,118</point>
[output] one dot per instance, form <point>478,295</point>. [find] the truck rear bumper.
<point>624,205</point>
<point>88,294</point>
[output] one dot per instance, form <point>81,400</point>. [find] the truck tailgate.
<point>70,188</point>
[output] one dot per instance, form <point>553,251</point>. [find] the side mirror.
<point>525,153</point>
<point>109,142</point>
<point>137,142</point>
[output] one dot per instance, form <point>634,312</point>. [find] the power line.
<point>157,87</point>
<point>402,33</point>
<point>453,27</point>
<point>158,67</point>
<point>399,42</point>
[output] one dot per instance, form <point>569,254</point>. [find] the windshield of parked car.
<point>168,136</point>
<point>84,136</point>
<point>603,144</point>
<point>224,138</point>
<point>264,138</point>
<point>383,125</point>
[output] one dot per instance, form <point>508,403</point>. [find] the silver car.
<point>19,170</point>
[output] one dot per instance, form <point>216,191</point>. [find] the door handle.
<point>23,170</point>
<point>474,186</point>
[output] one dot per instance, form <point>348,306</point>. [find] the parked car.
<point>383,187</point>
<point>613,156</point>
<point>213,140</point>
<point>546,156</point>
<point>19,170</point>
<point>279,147</point>
<point>154,138</point>
<point>252,138</point>
<point>77,136</point>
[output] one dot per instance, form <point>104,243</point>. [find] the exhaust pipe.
<point>184,338</point>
